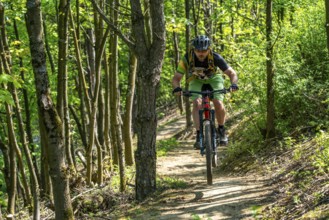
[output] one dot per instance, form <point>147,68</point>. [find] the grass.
<point>164,146</point>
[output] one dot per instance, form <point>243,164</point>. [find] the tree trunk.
<point>62,97</point>
<point>188,116</point>
<point>83,91</point>
<point>270,128</point>
<point>6,166</point>
<point>150,60</point>
<point>207,18</point>
<point>117,122</point>
<point>24,142</point>
<point>107,139</point>
<point>96,92</point>
<point>27,111</point>
<point>129,157</point>
<point>13,172</point>
<point>195,13</point>
<point>51,119</point>
<point>45,183</point>
<point>327,22</point>
<point>179,99</point>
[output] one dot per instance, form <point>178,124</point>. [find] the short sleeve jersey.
<point>218,61</point>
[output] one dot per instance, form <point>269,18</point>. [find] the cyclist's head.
<point>201,42</point>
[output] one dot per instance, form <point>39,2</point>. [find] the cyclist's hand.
<point>177,91</point>
<point>234,87</point>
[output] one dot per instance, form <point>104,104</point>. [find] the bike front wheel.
<point>209,153</point>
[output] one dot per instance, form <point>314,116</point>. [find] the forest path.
<point>230,197</point>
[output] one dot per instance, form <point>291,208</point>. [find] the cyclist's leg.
<point>220,111</point>
<point>217,83</point>
<point>197,105</point>
<point>196,85</point>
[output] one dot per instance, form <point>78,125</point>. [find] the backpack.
<point>191,64</point>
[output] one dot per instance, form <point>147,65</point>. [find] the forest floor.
<point>230,196</point>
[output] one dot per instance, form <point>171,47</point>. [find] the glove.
<point>234,87</point>
<point>177,89</point>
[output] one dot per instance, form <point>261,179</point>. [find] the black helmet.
<point>201,42</point>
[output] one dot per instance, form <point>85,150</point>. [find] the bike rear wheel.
<point>209,153</point>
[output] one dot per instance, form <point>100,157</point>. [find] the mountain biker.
<point>201,64</point>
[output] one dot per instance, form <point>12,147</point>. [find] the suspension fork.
<point>204,114</point>
<point>213,129</point>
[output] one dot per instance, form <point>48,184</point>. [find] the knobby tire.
<point>208,146</point>
<point>214,144</point>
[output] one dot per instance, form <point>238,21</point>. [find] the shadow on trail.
<point>228,198</point>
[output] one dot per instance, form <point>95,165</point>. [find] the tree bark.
<point>188,116</point>
<point>179,99</point>
<point>115,111</point>
<point>59,172</point>
<point>150,61</point>
<point>24,139</point>
<point>327,22</point>
<point>207,18</point>
<point>129,157</point>
<point>62,96</point>
<point>270,128</point>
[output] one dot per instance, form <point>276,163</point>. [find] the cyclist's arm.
<point>181,70</point>
<point>230,72</point>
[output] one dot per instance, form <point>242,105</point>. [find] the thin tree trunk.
<point>6,166</point>
<point>179,99</point>
<point>207,18</point>
<point>96,92</point>
<point>107,140</point>
<point>13,172</point>
<point>53,125</point>
<point>117,122</point>
<point>128,114</point>
<point>50,57</point>
<point>82,86</point>
<point>99,138</point>
<point>221,31</point>
<point>327,22</point>
<point>187,48</point>
<point>24,140</point>
<point>45,184</point>
<point>6,60</point>
<point>62,97</point>
<point>27,111</point>
<point>270,129</point>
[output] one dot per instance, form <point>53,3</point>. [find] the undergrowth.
<point>297,165</point>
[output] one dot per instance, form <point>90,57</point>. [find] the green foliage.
<point>129,175</point>
<point>170,183</point>
<point>321,157</point>
<point>164,146</point>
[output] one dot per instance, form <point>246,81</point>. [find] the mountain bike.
<point>208,131</point>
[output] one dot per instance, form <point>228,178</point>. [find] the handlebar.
<point>206,92</point>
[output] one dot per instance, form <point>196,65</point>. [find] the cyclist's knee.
<point>218,104</point>
<point>197,103</point>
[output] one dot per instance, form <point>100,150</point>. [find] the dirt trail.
<point>228,198</point>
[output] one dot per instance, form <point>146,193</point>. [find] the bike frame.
<point>207,115</point>
<point>208,132</point>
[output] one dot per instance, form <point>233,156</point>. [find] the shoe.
<point>197,145</point>
<point>223,140</point>
<point>197,141</point>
